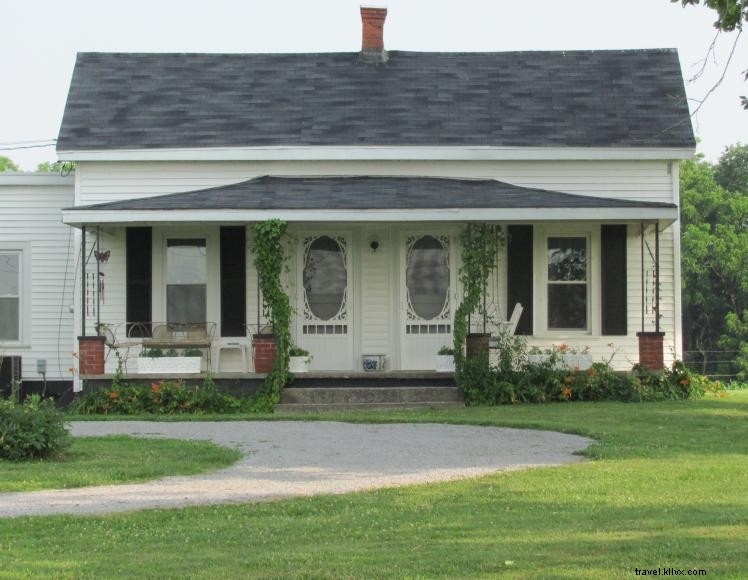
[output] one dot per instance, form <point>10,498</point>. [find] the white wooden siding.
<point>377,319</point>
<point>30,216</point>
<point>100,182</point>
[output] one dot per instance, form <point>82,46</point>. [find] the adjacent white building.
<point>37,273</point>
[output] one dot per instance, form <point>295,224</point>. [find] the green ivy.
<point>480,248</point>
<point>270,261</point>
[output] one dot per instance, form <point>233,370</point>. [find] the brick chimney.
<point>372,34</point>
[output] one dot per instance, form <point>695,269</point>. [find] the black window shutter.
<point>519,271</point>
<point>233,281</point>
<point>613,272</point>
<point>138,273</point>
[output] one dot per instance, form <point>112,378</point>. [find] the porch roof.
<point>368,198</point>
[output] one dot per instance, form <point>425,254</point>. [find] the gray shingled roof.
<point>368,193</point>
<point>631,98</point>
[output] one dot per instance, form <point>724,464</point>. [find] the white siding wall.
<point>637,180</point>
<point>30,217</point>
<point>377,319</point>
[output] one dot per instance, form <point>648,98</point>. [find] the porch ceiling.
<point>370,198</point>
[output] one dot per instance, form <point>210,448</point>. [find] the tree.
<point>7,165</point>
<point>714,257</point>
<point>48,167</point>
<point>731,14</point>
<point>64,167</point>
<point>732,170</point>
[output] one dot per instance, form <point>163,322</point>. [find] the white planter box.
<point>445,363</point>
<point>570,361</point>
<point>298,364</point>
<point>177,365</point>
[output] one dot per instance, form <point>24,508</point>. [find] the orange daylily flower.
<point>114,395</point>
<point>566,392</point>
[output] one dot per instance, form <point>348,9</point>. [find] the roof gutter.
<point>81,217</point>
<point>382,153</point>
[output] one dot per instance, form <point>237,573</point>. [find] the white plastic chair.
<point>510,326</point>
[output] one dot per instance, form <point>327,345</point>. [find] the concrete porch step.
<point>354,395</point>
<point>306,408</point>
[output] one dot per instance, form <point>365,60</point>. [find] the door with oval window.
<point>426,304</point>
<point>325,308</point>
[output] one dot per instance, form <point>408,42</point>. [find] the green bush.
<point>514,380</point>
<point>34,429</point>
<point>164,398</point>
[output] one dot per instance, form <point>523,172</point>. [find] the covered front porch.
<point>372,271</point>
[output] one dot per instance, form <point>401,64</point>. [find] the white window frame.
<point>592,234</point>
<point>23,251</point>
<point>210,234</point>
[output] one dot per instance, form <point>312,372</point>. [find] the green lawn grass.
<point>666,488</point>
<point>114,459</point>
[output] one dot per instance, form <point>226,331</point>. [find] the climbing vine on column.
<point>270,260</point>
<point>480,248</point>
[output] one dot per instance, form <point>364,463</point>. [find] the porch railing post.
<point>643,280</point>
<point>83,281</point>
<point>98,280</point>
<point>657,276</point>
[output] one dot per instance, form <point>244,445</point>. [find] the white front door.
<point>426,290</point>
<point>325,308</point>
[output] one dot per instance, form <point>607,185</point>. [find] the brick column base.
<point>266,351</point>
<point>476,345</point>
<point>651,351</point>
<point>91,355</point>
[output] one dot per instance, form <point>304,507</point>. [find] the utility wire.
<point>28,147</point>
<point>14,143</point>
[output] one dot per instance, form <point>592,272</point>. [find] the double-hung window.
<point>10,296</point>
<point>568,283</point>
<point>186,281</point>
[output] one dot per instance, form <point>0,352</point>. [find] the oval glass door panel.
<point>325,278</point>
<point>427,278</point>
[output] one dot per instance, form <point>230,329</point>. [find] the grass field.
<point>666,488</point>
<point>108,460</point>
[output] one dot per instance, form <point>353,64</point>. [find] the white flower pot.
<point>445,363</point>
<point>579,361</point>
<point>176,365</point>
<point>298,364</point>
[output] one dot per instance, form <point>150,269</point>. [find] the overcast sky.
<point>39,39</point>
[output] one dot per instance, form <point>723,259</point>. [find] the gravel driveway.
<point>294,458</point>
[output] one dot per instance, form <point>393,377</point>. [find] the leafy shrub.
<point>33,429</point>
<point>446,351</point>
<point>297,351</point>
<point>151,353</point>
<point>514,380</point>
<point>164,398</point>
<point>481,384</point>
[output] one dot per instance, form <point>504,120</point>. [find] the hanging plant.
<point>480,248</point>
<point>270,260</point>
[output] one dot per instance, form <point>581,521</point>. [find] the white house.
<point>37,272</point>
<point>376,159</point>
